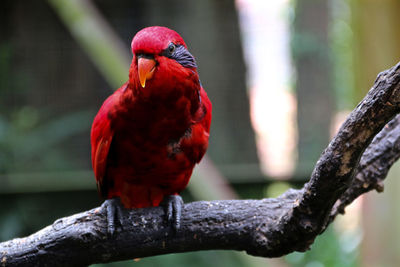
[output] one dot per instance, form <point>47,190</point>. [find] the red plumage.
<point>148,135</point>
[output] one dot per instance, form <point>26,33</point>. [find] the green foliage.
<point>27,143</point>
<point>329,250</point>
<point>192,259</point>
<point>341,37</point>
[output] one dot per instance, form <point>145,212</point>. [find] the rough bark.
<point>267,227</point>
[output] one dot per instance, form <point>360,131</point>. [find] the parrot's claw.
<point>173,210</point>
<point>114,212</point>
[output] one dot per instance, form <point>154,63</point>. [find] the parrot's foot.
<point>173,209</point>
<point>114,212</point>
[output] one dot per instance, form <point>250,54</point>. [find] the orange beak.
<point>146,67</point>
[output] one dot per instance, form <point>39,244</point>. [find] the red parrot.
<point>148,136</point>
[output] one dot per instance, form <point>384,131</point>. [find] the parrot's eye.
<point>180,54</point>
<point>171,48</point>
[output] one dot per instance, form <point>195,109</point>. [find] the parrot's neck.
<point>176,110</point>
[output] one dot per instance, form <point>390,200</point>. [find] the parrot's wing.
<point>101,138</point>
<point>99,162</point>
<point>207,109</point>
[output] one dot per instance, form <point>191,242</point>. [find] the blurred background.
<point>282,76</point>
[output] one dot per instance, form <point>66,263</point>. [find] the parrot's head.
<point>161,62</point>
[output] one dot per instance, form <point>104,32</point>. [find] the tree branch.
<point>374,166</point>
<point>267,227</point>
